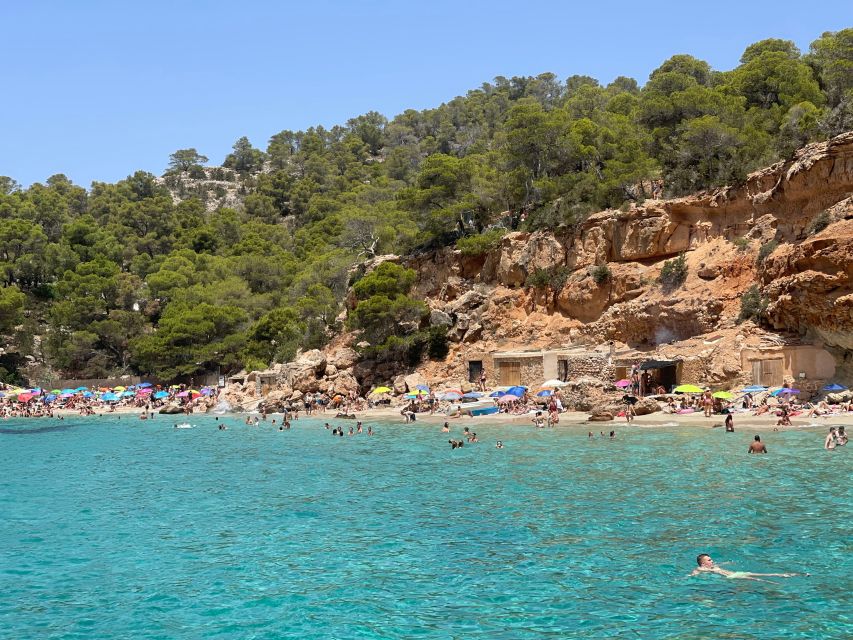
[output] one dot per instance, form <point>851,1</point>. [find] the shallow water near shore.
<point>121,528</point>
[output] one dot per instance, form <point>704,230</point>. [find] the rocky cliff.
<point>806,279</point>
<point>599,281</point>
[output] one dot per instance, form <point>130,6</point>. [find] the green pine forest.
<point>125,278</point>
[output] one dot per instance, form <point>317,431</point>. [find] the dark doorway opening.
<point>475,369</point>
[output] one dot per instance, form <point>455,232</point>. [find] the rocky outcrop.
<point>809,285</point>
<point>599,282</point>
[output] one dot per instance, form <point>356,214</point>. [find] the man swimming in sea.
<point>706,565</point>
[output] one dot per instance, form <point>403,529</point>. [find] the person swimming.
<point>756,446</point>
<point>707,565</point>
<point>499,445</point>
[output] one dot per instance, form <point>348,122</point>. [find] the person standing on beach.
<point>756,446</point>
<point>707,402</point>
<point>483,380</point>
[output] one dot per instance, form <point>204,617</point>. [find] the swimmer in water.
<point>706,565</point>
<point>369,431</point>
<point>499,445</point>
<point>445,428</point>
<point>756,446</point>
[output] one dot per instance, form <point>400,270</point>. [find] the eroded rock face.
<point>809,286</point>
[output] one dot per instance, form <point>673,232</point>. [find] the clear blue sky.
<point>97,90</point>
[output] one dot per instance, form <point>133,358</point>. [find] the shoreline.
<point>569,418</point>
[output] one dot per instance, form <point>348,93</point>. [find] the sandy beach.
<point>580,418</point>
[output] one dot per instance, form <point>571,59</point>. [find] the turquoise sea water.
<point>123,529</point>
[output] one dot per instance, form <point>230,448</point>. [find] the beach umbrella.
<point>723,395</point>
<point>56,391</point>
<point>35,391</point>
<point>88,394</point>
<point>25,397</point>
<point>422,387</point>
<point>418,392</point>
<point>381,390</point>
<point>207,391</point>
<point>451,395</point>
<point>81,389</point>
<point>161,394</point>
<point>143,392</point>
<point>834,387</point>
<point>624,383</point>
<point>109,397</point>
<point>67,395</point>
<point>554,383</point>
<point>119,388</point>
<point>755,388</point>
<point>784,392</point>
<point>687,388</point>
<point>127,394</point>
<point>144,385</point>
<point>496,394</point>
<point>50,397</point>
<point>473,394</point>
<point>545,393</point>
<point>507,398</point>
<point>516,391</point>
<point>71,391</point>
<point>183,394</point>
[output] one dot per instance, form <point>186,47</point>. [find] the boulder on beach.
<point>600,416</point>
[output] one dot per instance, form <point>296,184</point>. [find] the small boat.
<point>483,411</point>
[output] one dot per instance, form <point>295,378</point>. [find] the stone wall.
<point>590,365</point>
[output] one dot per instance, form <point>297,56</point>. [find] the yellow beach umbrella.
<point>381,390</point>
<point>119,388</point>
<point>687,388</point>
<point>723,395</point>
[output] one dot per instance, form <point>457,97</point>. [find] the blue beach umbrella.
<point>516,391</point>
<point>755,388</point>
<point>127,394</point>
<point>496,394</point>
<point>545,393</point>
<point>422,387</point>
<point>451,395</point>
<point>160,394</point>
<point>834,387</point>
<point>81,389</point>
<point>88,394</point>
<point>50,397</point>
<point>71,391</point>
<point>144,385</point>
<point>473,394</point>
<point>109,397</point>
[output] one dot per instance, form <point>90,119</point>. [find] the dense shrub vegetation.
<point>121,278</point>
<point>674,272</point>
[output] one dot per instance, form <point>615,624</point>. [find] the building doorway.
<point>475,370</point>
<point>510,373</point>
<point>767,373</point>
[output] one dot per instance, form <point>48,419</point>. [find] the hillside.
<point>532,180</point>
<point>538,290</point>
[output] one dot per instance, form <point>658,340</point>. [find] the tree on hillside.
<point>185,159</point>
<point>244,157</point>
